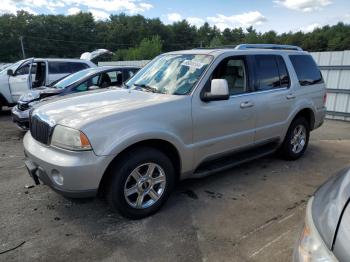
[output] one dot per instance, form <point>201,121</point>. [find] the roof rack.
<point>268,46</point>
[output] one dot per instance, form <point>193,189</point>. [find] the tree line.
<point>137,37</point>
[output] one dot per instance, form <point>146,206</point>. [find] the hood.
<point>328,205</point>
<point>78,109</point>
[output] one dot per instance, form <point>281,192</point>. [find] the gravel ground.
<point>253,212</point>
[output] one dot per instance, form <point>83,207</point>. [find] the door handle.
<point>247,104</point>
<point>290,96</point>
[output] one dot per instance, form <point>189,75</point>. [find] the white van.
<point>15,80</point>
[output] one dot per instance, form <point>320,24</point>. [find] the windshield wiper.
<point>147,88</point>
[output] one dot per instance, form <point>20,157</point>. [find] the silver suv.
<point>185,114</point>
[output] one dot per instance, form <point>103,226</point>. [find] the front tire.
<point>141,182</point>
<point>296,140</point>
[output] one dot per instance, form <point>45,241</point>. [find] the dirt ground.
<point>253,212</point>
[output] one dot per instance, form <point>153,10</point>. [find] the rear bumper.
<point>20,118</point>
<point>72,174</point>
<point>320,117</point>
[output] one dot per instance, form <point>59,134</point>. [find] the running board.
<point>234,159</point>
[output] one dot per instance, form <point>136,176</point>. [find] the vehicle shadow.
<point>174,228</point>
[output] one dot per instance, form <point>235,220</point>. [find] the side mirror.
<point>9,72</point>
<point>218,91</point>
<point>93,87</point>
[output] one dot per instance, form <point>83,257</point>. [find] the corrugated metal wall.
<point>335,67</point>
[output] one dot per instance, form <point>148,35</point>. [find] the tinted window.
<point>59,68</point>
<point>24,70</point>
<point>306,69</point>
<point>233,71</point>
<point>284,77</point>
<point>130,73</point>
<point>88,83</point>
<point>116,78</point>
<point>75,67</point>
<point>267,72</point>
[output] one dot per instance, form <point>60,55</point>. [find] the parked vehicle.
<point>4,66</point>
<point>84,80</point>
<point>326,234</point>
<point>185,114</point>
<point>16,80</point>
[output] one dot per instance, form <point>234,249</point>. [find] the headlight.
<point>69,138</point>
<point>311,247</point>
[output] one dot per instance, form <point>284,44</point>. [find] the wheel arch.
<point>163,146</point>
<point>308,114</point>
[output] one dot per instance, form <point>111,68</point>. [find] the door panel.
<point>274,97</point>
<point>273,109</point>
<point>222,126</point>
<point>19,82</point>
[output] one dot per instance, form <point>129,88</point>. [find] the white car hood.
<point>80,109</point>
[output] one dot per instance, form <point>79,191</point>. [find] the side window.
<point>267,72</point>
<point>306,70</point>
<point>75,66</point>
<point>59,68</point>
<point>233,70</point>
<point>94,80</point>
<point>87,84</point>
<point>284,76</point>
<point>130,73</point>
<point>82,87</point>
<point>116,78</point>
<point>24,70</point>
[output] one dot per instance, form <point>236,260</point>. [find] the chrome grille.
<point>39,130</point>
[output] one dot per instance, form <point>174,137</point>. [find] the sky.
<point>263,15</point>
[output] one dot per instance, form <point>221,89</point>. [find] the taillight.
<point>325,99</point>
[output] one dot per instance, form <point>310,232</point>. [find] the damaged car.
<point>85,80</point>
<point>326,233</point>
<point>32,73</point>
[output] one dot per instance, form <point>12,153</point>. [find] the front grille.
<point>39,129</point>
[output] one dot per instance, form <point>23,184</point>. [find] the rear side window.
<point>66,67</point>
<point>59,68</point>
<point>267,72</point>
<point>75,67</point>
<point>306,70</point>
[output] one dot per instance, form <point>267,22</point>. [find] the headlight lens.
<point>69,138</point>
<point>311,246</point>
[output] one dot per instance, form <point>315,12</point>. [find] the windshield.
<point>13,67</point>
<point>170,74</point>
<point>67,81</point>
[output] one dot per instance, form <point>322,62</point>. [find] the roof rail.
<point>268,46</point>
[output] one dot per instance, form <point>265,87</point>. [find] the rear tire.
<point>141,182</point>
<point>296,140</point>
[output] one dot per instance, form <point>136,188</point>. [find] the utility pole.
<point>21,39</point>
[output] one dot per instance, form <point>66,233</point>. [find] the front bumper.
<point>79,173</point>
<point>20,118</point>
